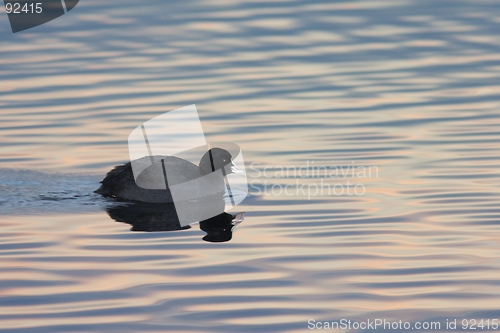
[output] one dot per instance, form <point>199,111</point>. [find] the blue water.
<point>409,89</point>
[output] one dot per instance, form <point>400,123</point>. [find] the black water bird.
<point>153,183</point>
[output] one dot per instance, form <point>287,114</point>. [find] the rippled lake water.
<point>408,88</point>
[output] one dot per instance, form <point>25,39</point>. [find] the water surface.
<point>410,87</point>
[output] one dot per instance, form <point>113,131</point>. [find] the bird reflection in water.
<point>171,193</point>
<point>163,217</point>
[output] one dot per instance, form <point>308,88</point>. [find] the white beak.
<point>236,170</point>
<point>237,220</point>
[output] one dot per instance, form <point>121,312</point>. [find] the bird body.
<point>165,178</point>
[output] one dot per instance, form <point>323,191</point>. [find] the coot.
<point>152,187</point>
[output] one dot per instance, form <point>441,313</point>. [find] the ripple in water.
<point>410,87</point>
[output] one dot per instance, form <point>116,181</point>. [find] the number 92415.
<point>18,8</point>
